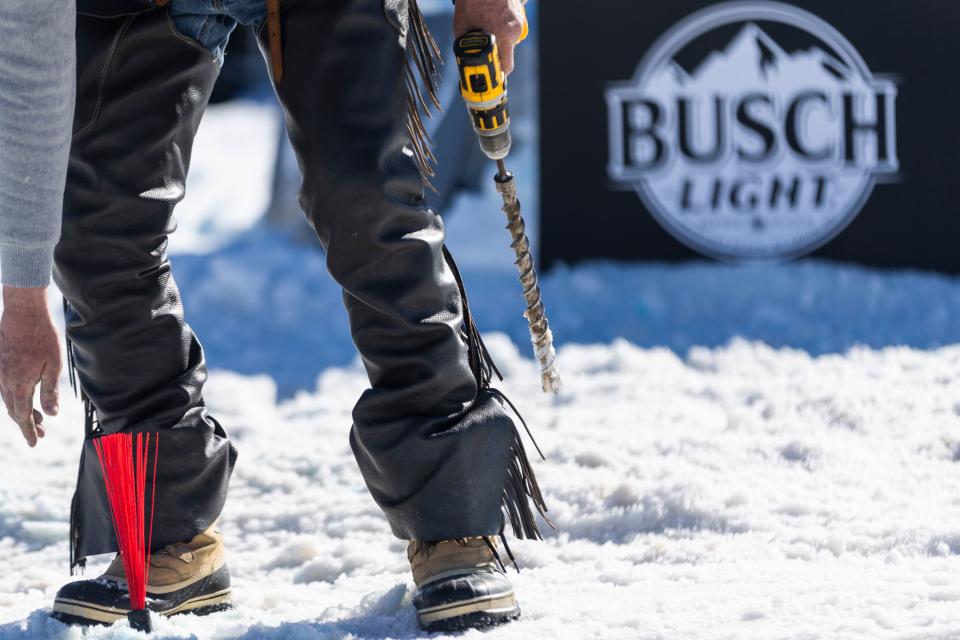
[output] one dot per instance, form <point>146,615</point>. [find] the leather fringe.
<point>76,564</point>
<point>90,425</point>
<point>71,363</point>
<point>521,492</point>
<point>481,364</point>
<point>421,75</point>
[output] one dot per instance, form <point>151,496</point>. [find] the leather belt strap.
<point>276,44</point>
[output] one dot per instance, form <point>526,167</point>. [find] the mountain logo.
<point>753,131</point>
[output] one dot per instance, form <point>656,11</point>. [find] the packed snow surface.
<point>764,452</point>
<point>738,492</point>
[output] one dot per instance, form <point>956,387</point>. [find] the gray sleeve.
<point>37,84</point>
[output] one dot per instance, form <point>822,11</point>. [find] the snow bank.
<point>737,492</point>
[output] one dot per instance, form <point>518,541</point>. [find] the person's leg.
<point>438,449</point>
<point>142,88</point>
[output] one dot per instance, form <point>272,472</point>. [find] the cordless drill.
<point>484,88</point>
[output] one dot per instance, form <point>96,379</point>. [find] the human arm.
<point>37,78</point>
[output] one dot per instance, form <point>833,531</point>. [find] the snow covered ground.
<point>757,452</point>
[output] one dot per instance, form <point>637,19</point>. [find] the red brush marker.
<point>124,459</point>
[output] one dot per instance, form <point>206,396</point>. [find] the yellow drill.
<point>483,86</point>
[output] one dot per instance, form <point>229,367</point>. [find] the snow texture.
<point>763,452</point>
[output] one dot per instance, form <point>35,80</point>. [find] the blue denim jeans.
<point>210,22</point>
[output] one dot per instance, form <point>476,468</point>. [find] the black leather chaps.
<point>439,449</point>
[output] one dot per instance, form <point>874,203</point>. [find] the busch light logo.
<point>753,131</point>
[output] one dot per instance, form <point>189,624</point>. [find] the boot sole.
<point>75,612</point>
<point>472,614</point>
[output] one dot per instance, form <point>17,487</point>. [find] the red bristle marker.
<point>124,459</point>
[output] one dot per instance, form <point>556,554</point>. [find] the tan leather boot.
<point>183,577</point>
<point>461,584</point>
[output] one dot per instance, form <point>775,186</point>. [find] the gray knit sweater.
<point>37,78</point>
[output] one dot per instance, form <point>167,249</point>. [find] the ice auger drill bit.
<point>484,88</point>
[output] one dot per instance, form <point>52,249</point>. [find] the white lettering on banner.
<point>753,151</point>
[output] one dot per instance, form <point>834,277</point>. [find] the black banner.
<point>751,130</point>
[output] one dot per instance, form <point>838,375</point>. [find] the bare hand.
<point>29,354</point>
<point>503,18</point>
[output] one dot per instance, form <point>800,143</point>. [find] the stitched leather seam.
<point>197,600</point>
<point>111,610</point>
<point>112,15</point>
<point>90,605</point>
<point>453,573</point>
<point>463,603</point>
<point>103,77</point>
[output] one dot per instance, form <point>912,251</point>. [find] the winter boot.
<point>461,584</point>
<point>187,577</point>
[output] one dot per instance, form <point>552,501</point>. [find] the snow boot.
<point>461,584</point>
<point>188,577</point>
